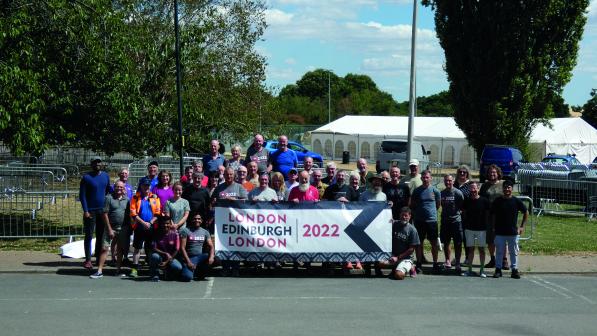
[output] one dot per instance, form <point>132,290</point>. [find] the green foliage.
<point>101,74</point>
<point>306,102</point>
<point>589,109</point>
<point>507,61</point>
<point>436,105</point>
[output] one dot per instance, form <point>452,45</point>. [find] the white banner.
<point>321,231</point>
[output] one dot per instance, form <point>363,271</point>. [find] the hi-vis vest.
<point>154,203</point>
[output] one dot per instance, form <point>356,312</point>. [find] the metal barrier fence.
<point>573,197</point>
<point>532,221</point>
<point>138,169</point>
<point>38,214</point>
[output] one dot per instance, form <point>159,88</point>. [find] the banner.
<point>308,231</point>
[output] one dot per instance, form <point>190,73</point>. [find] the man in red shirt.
<point>304,191</point>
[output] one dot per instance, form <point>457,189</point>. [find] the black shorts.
<point>490,235</point>
<point>426,230</point>
<point>451,231</point>
<point>142,235</point>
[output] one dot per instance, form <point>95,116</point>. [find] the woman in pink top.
<point>164,188</point>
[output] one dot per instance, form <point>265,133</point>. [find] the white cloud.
<point>277,17</point>
<point>592,9</point>
<point>290,61</point>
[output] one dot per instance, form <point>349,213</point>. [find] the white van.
<point>393,152</point>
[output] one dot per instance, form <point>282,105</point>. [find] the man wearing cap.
<point>283,159</point>
<point>257,153</point>
<point>414,178</point>
<point>92,192</point>
<point>292,179</point>
<point>152,175</point>
<point>505,211</point>
<point>213,160</point>
<point>145,207</point>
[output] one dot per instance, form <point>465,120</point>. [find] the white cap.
<point>413,162</point>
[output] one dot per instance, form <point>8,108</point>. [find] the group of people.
<point>173,222</point>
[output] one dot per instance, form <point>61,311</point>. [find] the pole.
<point>329,99</point>
<point>178,88</point>
<point>412,105</point>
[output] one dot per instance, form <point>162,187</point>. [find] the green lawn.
<point>562,235</point>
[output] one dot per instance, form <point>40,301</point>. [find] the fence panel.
<point>38,214</point>
<point>562,196</point>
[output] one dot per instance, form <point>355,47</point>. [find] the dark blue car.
<point>505,157</point>
<point>300,151</point>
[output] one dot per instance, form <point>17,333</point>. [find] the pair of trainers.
<point>514,274</point>
<point>471,273</point>
<point>96,275</point>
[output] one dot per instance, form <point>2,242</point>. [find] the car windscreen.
<point>394,146</point>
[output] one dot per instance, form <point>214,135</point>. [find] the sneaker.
<point>413,272</point>
<point>88,265</point>
<point>348,265</point>
<point>482,275</point>
<point>436,268</point>
<point>133,273</point>
<point>497,273</point>
<point>490,264</point>
<point>155,278</point>
<point>96,275</point>
<point>468,274</point>
<point>447,264</point>
<point>515,274</point>
<point>358,266</point>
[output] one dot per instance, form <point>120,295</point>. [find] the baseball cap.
<point>145,181</point>
<point>413,162</point>
<point>293,170</point>
<point>96,159</point>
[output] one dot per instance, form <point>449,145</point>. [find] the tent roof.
<point>436,127</point>
<point>565,131</point>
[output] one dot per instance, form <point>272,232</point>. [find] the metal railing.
<point>40,214</point>
<point>532,220</point>
<point>563,196</point>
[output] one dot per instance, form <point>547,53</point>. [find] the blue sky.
<point>372,37</point>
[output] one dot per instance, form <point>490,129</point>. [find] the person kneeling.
<point>195,263</point>
<point>404,241</point>
<point>166,246</point>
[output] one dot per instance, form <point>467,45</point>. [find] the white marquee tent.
<point>362,135</point>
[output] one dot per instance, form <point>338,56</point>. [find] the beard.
<point>340,184</point>
<point>376,190</point>
<point>304,187</point>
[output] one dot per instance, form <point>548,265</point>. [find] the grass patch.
<point>562,235</point>
<point>50,245</point>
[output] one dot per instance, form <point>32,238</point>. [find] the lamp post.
<point>178,88</point>
<point>412,105</point>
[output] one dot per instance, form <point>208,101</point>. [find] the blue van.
<point>505,157</point>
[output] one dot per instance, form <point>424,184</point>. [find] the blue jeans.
<point>171,272</point>
<point>201,267</point>
<point>500,248</point>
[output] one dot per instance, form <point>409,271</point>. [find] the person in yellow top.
<point>145,207</point>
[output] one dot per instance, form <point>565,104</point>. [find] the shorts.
<point>426,230</point>
<point>479,236</point>
<point>451,231</point>
<point>106,238</point>
<point>142,235</point>
<point>404,266</point>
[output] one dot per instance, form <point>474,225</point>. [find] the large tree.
<point>101,74</point>
<point>507,62</point>
<point>589,109</point>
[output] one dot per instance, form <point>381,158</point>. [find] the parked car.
<point>301,152</point>
<point>393,152</point>
<point>505,157</point>
<point>565,159</point>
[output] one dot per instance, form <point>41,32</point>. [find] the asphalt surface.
<point>73,304</point>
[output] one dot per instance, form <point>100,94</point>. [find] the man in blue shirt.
<point>92,192</point>
<point>283,158</point>
<point>213,160</point>
<point>425,202</point>
<point>152,175</point>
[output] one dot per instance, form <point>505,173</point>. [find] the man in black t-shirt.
<point>397,192</point>
<point>505,211</point>
<point>475,214</point>
<point>404,241</point>
<point>340,191</point>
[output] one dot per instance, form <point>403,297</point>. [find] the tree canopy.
<point>589,109</point>
<point>101,74</point>
<point>507,63</point>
